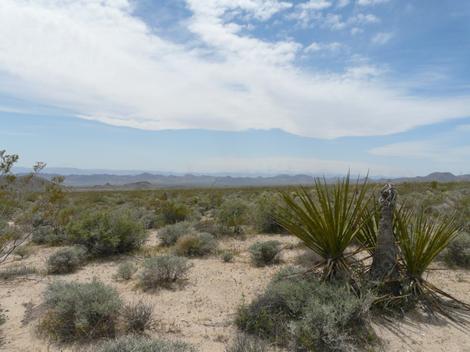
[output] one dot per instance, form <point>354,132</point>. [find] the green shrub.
<point>143,344</point>
<point>264,215</point>
<point>232,214</point>
<point>172,212</point>
<point>227,256</point>
<point>458,251</point>
<point>246,343</point>
<point>47,234</point>
<point>107,232</point>
<point>163,271</point>
<point>125,271</point>
<point>171,233</point>
<point>265,253</point>
<point>80,311</point>
<point>66,260</point>
<point>137,317</point>
<point>16,271</point>
<point>196,245</point>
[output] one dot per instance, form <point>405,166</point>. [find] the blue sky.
<point>237,86</point>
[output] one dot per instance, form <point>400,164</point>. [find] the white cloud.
<point>315,5</point>
<point>96,59</point>
<point>371,2</point>
<point>342,3</point>
<point>382,38</point>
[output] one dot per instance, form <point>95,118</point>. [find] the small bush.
<point>172,212</point>
<point>171,233</point>
<point>107,232</point>
<point>80,311</point>
<point>137,317</point>
<point>264,215</point>
<point>163,271</point>
<point>265,253</point>
<point>47,234</point>
<point>308,315</point>
<point>143,344</point>
<point>16,271</point>
<point>227,256</point>
<point>23,251</point>
<point>125,271</point>
<point>66,260</point>
<point>196,245</point>
<point>458,252</point>
<point>232,214</point>
<point>245,343</point>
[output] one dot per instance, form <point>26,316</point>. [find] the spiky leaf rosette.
<point>328,222</point>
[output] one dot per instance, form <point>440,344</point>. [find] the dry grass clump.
<point>137,317</point>
<point>247,343</point>
<point>14,271</point>
<point>163,271</point>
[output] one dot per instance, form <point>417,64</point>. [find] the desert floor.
<point>202,311</point>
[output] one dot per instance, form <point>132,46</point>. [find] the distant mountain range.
<point>148,180</point>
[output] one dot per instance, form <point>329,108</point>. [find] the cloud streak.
<point>98,60</point>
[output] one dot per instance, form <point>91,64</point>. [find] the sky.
<point>237,86</point>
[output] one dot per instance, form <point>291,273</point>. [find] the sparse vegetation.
<point>163,271</point>
<point>14,271</point>
<point>247,343</point>
<point>171,233</point>
<point>143,344</point>
<point>125,271</point>
<point>227,256</point>
<point>66,260</point>
<point>196,245</point>
<point>265,253</point>
<point>80,311</point>
<point>137,317</point>
<point>457,253</point>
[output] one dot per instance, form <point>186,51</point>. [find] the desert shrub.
<point>458,251</point>
<point>264,215</point>
<point>16,271</point>
<point>23,251</point>
<point>196,245</point>
<point>3,319</point>
<point>172,212</point>
<point>143,344</point>
<point>47,234</point>
<point>66,260</point>
<point>227,256</point>
<point>137,317</point>
<point>125,271</point>
<point>246,343</point>
<point>107,232</point>
<point>265,253</point>
<point>208,226</point>
<point>171,233</point>
<point>80,311</point>
<point>232,214</point>
<point>163,271</point>
<point>301,311</point>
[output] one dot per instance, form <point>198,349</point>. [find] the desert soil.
<point>202,311</point>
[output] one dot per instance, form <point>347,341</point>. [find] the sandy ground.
<point>202,311</point>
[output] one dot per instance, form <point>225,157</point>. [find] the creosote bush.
<point>265,213</point>
<point>169,234</point>
<point>143,344</point>
<point>232,214</point>
<point>107,232</point>
<point>125,271</point>
<point>196,245</point>
<point>137,317</point>
<point>80,311</point>
<point>163,271</point>
<point>66,260</point>
<point>172,212</point>
<point>265,253</point>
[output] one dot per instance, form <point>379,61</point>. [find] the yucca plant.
<point>328,222</point>
<point>367,236</point>
<point>421,239</point>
